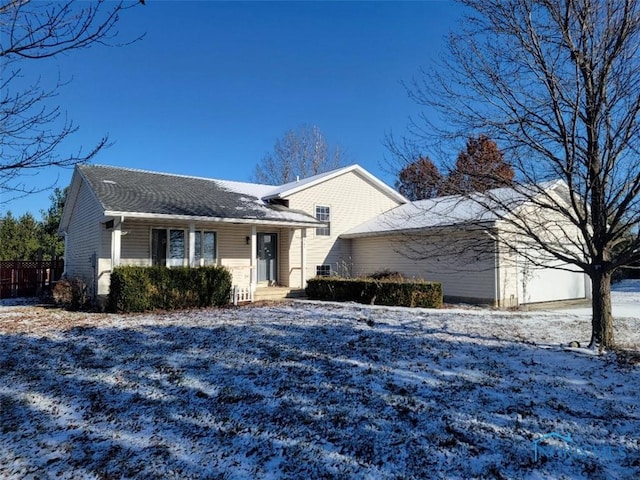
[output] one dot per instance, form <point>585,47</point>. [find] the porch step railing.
<point>241,294</point>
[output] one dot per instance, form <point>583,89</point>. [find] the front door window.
<point>267,257</point>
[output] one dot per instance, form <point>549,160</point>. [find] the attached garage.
<point>448,240</point>
<point>465,277</point>
<point>537,285</point>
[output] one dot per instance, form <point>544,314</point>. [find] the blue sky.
<point>213,85</point>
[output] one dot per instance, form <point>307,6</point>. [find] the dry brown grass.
<point>42,319</point>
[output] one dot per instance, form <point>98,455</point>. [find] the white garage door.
<point>548,284</point>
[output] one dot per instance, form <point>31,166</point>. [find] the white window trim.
<point>315,212</point>
<point>215,252</point>
<point>187,254</point>
<point>185,232</point>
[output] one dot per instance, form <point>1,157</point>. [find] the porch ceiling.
<point>311,223</point>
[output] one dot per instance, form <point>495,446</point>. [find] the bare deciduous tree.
<point>557,84</point>
<point>301,153</point>
<point>32,126</point>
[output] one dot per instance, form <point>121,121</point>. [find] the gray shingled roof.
<point>135,191</point>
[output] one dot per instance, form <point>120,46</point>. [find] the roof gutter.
<point>108,215</point>
<point>422,230</point>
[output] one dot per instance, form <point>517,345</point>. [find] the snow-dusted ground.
<point>308,390</point>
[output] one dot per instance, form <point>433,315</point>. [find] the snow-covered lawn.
<point>308,390</point>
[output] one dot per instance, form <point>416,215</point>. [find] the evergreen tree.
<point>20,238</point>
<point>50,241</point>
<point>26,238</point>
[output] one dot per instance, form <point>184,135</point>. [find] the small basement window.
<point>323,270</point>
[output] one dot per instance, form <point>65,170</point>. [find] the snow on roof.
<point>448,211</point>
<point>290,188</point>
<point>254,189</point>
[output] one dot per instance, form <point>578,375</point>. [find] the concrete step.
<point>277,293</point>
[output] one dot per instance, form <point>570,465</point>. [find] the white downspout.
<point>64,256</point>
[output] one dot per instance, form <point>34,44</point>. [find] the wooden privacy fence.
<point>24,278</point>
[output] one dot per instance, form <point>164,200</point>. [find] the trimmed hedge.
<point>376,292</point>
<point>141,289</point>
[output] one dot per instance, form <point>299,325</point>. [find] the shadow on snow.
<point>292,395</point>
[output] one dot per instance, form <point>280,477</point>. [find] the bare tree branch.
<point>301,153</point>
<point>32,127</point>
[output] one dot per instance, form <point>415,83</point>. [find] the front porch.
<point>259,257</point>
<point>264,293</point>
<point>278,293</point>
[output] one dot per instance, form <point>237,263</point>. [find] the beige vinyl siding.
<point>286,268</point>
<point>232,242</point>
<point>135,244</point>
<point>232,249</point>
<point>292,254</point>
<point>352,200</point>
<point>468,277</point>
<point>104,260</point>
<point>83,238</point>
<point>507,278</point>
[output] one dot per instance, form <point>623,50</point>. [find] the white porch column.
<point>303,258</point>
<point>253,261</point>
<point>192,245</point>
<point>116,243</point>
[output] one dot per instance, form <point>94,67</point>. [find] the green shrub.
<point>140,289</point>
<point>376,292</point>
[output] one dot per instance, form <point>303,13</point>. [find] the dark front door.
<point>267,257</point>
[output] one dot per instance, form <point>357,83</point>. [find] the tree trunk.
<point>602,320</point>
